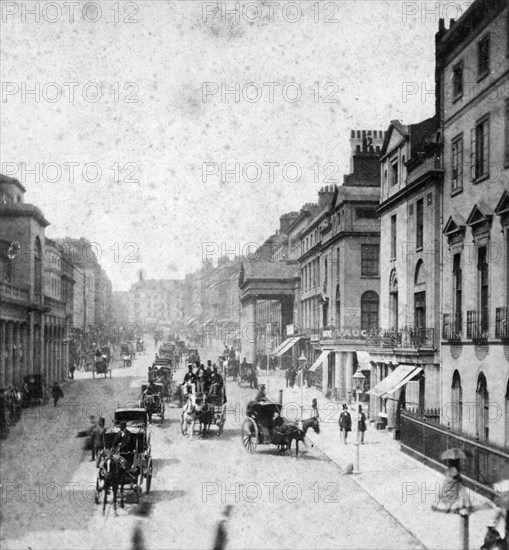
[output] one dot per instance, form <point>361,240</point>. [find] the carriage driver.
<point>123,443</point>
<point>151,389</point>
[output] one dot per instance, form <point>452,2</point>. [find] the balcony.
<point>477,325</point>
<point>14,293</point>
<point>501,319</point>
<point>407,337</point>
<point>53,304</point>
<point>451,330</point>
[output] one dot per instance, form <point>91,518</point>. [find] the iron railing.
<point>486,463</point>
<point>14,292</point>
<point>477,325</point>
<point>501,320</point>
<point>451,326</point>
<point>407,337</point>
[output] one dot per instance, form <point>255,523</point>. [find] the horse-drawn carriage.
<point>167,350</point>
<point>34,390</point>
<point>247,373</point>
<point>162,372</point>
<point>130,467</point>
<point>126,354</point>
<point>193,355</point>
<point>101,364</point>
<point>265,425</point>
<point>203,409</point>
<point>152,402</point>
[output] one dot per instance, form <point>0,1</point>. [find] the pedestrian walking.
<point>361,426</point>
<point>292,376</point>
<point>314,409</point>
<point>71,371</point>
<point>56,393</point>
<point>345,423</point>
<point>287,377</point>
<point>98,432</point>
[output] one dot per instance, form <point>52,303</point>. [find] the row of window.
<point>483,67</point>
<point>482,409</point>
<point>479,152</point>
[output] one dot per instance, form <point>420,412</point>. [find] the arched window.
<point>37,268</point>
<point>420,275</point>
<point>482,408</point>
<point>420,300</point>
<point>393,300</point>
<point>369,311</point>
<point>456,412</point>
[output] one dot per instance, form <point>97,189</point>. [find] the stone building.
<point>33,276</point>
<point>472,58</point>
<point>404,353</point>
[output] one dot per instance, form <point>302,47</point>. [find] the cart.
<point>141,465</point>
<point>34,390</point>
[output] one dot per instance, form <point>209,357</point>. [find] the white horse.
<point>191,414</point>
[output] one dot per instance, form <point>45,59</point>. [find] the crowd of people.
<point>203,380</point>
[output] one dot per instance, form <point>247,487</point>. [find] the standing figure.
<point>345,423</point>
<point>56,393</point>
<point>362,425</point>
<point>72,368</point>
<point>314,409</point>
<point>98,432</point>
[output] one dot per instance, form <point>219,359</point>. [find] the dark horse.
<point>113,473</point>
<point>206,416</point>
<point>291,432</point>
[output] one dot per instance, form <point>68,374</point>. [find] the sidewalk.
<point>405,487</point>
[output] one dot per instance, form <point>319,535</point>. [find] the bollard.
<point>464,529</point>
<point>281,397</point>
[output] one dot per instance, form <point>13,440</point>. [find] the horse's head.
<point>311,423</point>
<point>109,466</point>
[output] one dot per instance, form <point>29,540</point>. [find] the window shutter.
<point>472,154</point>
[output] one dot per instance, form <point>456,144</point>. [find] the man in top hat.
<point>122,444</point>
<point>345,423</point>
<point>260,396</point>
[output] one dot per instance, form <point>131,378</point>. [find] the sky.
<point>131,139</point>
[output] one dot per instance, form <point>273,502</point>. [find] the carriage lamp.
<point>358,383</point>
<point>302,365</point>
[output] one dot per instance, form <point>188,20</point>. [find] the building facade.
<point>406,347</point>
<point>473,80</point>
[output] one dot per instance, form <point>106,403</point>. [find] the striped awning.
<point>397,378</point>
<point>285,346</point>
<point>320,361</point>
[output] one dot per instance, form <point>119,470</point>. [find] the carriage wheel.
<point>149,476</point>
<point>182,425</point>
<point>249,435</point>
<point>93,373</point>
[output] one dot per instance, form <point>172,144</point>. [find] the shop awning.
<point>364,360</point>
<point>285,346</point>
<point>397,378</point>
<point>320,361</point>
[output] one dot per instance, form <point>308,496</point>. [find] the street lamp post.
<point>358,383</point>
<point>302,363</point>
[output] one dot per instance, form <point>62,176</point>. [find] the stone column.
<point>248,329</point>
<point>3,350</point>
<point>338,381</point>
<point>16,379</point>
<point>10,356</point>
<point>348,374</point>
